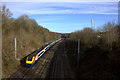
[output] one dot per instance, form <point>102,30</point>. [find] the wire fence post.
<point>15,48</point>
<point>78,52</point>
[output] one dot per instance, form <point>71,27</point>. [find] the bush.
<point>87,37</point>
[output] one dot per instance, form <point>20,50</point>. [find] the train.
<point>32,58</point>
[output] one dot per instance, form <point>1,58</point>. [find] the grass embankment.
<point>98,58</point>
<point>29,35</point>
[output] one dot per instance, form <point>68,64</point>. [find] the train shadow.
<point>22,62</point>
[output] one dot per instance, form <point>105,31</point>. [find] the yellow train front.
<point>31,59</point>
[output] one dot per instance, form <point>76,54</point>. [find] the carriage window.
<point>41,53</point>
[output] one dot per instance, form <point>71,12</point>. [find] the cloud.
<point>62,8</point>
<point>67,11</point>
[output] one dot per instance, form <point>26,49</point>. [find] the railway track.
<point>60,67</point>
<point>40,68</point>
<point>53,64</point>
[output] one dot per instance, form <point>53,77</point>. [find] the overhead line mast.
<point>92,26</point>
<point>91,23</point>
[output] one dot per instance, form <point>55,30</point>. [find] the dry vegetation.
<point>29,35</point>
<point>99,52</point>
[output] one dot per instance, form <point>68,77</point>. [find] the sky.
<point>66,17</point>
<point>60,0</point>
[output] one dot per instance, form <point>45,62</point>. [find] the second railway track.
<point>53,64</point>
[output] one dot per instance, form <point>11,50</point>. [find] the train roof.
<point>37,51</point>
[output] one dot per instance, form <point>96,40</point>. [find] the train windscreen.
<point>31,56</point>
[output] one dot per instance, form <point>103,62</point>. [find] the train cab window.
<point>30,58</point>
